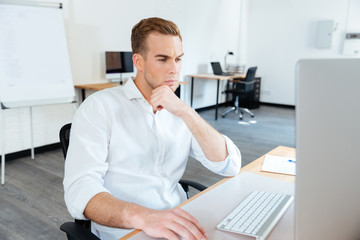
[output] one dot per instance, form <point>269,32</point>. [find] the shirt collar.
<point>131,90</point>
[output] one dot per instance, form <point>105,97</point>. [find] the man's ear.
<point>138,61</point>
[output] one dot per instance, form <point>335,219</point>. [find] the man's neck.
<point>143,87</point>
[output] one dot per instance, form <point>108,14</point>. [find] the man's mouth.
<point>170,82</point>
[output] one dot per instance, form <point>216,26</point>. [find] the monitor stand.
<point>121,80</point>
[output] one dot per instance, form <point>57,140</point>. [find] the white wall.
<point>282,31</point>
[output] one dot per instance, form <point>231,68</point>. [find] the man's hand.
<point>172,224</point>
<point>164,97</point>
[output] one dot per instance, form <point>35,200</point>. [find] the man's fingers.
<point>158,100</point>
<point>189,217</point>
<point>187,229</point>
<point>170,235</point>
<point>163,96</point>
<point>156,104</point>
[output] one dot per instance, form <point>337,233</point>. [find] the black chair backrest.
<point>65,137</point>
<point>250,76</point>
<point>64,142</point>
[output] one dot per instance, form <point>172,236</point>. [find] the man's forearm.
<point>107,210</point>
<point>210,140</point>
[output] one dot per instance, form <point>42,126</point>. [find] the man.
<point>129,146</point>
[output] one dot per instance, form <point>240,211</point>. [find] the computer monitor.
<point>328,149</point>
<point>118,63</point>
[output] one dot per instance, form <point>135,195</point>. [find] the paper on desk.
<point>279,165</point>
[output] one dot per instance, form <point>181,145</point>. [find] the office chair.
<point>241,89</point>
<point>80,229</point>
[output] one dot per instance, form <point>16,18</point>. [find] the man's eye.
<point>178,59</point>
<point>162,59</point>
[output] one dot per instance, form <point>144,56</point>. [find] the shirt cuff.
<point>232,163</point>
<point>233,159</point>
<point>81,193</point>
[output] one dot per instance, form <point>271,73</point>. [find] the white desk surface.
<point>212,207</point>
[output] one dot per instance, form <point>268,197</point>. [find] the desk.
<point>252,168</point>
<point>95,87</point>
<point>212,77</point>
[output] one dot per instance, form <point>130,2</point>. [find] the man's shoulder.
<point>109,94</point>
<point>104,99</point>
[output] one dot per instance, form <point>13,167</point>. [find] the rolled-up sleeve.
<point>229,167</point>
<point>85,163</point>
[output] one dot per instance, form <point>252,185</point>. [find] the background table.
<point>95,87</point>
<point>218,78</point>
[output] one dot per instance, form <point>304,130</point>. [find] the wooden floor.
<point>31,201</point>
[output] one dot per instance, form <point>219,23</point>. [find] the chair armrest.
<point>77,232</point>
<point>186,183</point>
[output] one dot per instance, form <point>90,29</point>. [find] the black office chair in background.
<point>80,229</point>
<point>241,90</point>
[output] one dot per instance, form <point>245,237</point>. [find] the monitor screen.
<point>117,63</point>
<point>327,149</point>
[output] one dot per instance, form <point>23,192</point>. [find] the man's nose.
<point>174,66</point>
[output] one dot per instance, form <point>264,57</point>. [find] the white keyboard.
<point>257,215</point>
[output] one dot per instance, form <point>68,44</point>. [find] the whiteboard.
<point>34,59</point>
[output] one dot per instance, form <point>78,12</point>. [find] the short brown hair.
<point>146,26</point>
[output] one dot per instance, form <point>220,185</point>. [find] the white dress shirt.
<point>118,145</point>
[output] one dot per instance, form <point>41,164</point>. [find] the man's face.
<point>162,64</point>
